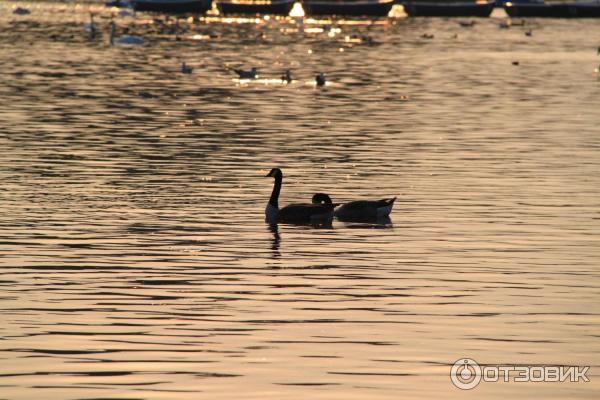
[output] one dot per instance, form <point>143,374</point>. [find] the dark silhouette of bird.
<point>287,76</point>
<point>320,79</point>
<point>529,33</point>
<point>186,69</point>
<point>515,63</point>
<point>246,74</point>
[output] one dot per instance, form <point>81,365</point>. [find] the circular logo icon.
<point>465,374</point>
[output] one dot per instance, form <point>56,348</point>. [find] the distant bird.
<point>125,39</point>
<point>21,11</point>
<point>186,69</point>
<point>361,210</point>
<point>91,27</point>
<point>515,63</point>
<point>246,74</point>
<point>529,33</point>
<point>320,79</point>
<point>125,13</point>
<point>427,36</point>
<point>287,76</point>
<point>505,24</point>
<point>466,24</point>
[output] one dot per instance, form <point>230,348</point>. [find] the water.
<point>134,255</point>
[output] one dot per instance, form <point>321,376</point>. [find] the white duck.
<point>295,213</point>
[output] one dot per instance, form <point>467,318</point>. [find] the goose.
<point>287,76</point>
<point>529,32</point>
<point>21,11</point>
<point>186,69</point>
<point>246,74</point>
<point>295,213</point>
<point>125,39</point>
<point>360,210</point>
<point>320,79</point>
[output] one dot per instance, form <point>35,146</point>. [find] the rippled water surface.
<point>135,260</point>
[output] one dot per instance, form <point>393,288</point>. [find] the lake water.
<point>135,260</point>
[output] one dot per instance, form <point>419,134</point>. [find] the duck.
<point>320,79</point>
<point>529,32</point>
<point>125,39</point>
<point>246,74</point>
<point>286,77</point>
<point>21,11</point>
<point>359,210</point>
<point>186,69</point>
<point>301,213</point>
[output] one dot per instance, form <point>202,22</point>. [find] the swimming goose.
<point>287,76</point>
<point>186,69</point>
<point>360,210</point>
<point>21,11</point>
<point>320,79</point>
<point>295,213</point>
<point>246,74</point>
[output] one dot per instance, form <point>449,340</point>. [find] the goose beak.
<point>268,175</point>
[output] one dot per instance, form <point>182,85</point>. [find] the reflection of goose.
<point>125,39</point>
<point>320,79</point>
<point>358,210</point>
<point>186,69</point>
<point>295,213</point>
<point>287,76</point>
<point>246,74</point>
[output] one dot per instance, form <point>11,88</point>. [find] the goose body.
<point>304,213</point>
<point>246,74</point>
<point>320,79</point>
<point>21,11</point>
<point>186,69</point>
<point>287,76</point>
<point>358,210</point>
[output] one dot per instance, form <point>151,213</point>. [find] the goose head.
<point>275,173</point>
<point>321,198</point>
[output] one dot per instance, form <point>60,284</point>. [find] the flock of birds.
<point>252,73</point>
<point>322,210</point>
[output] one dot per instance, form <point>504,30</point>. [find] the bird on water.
<point>302,213</point>
<point>320,79</point>
<point>360,210</point>
<point>251,74</point>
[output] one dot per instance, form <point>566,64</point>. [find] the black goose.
<point>295,213</point>
<point>360,210</point>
